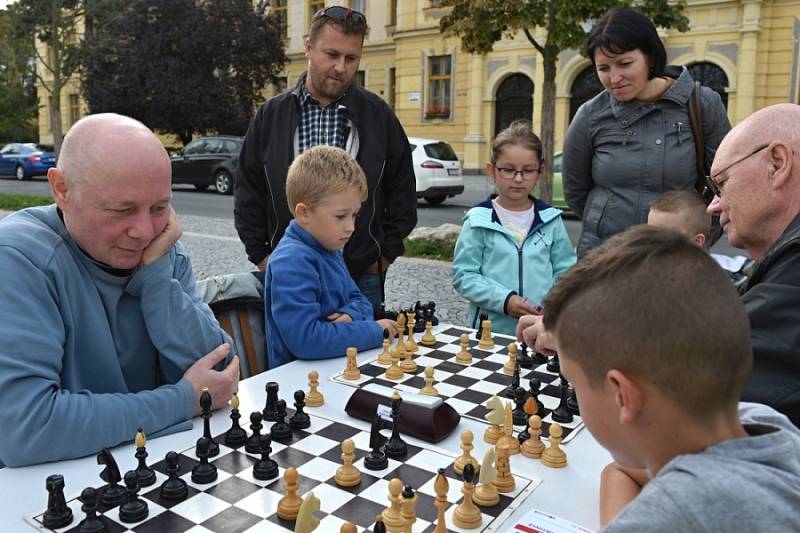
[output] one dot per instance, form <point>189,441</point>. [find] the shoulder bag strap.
<point>696,123</point>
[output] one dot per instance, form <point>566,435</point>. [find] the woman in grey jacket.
<point>633,141</point>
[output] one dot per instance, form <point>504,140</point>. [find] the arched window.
<point>711,76</point>
<point>514,101</point>
<point>585,87</point>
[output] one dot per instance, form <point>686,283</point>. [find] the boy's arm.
<point>359,308</point>
<point>618,487</point>
<point>295,293</point>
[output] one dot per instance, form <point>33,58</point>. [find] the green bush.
<point>429,249</point>
<point>13,202</point>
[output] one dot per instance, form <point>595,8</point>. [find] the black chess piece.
<point>572,403</point>
<point>533,390</point>
<point>419,317</point>
<point>204,472</point>
<point>396,447</point>
<point>58,514</point>
<point>523,357</point>
<point>379,526</point>
<point>538,358</point>
<point>433,318</point>
<point>135,509</point>
<point>511,390</point>
<point>300,419</point>
<point>235,436</point>
<point>91,523</point>
<point>205,412</point>
<point>561,413</point>
<point>174,489</point>
<point>270,412</point>
<point>481,318</point>
<point>524,435</point>
<point>518,414</point>
<point>265,468</point>
<point>468,473</point>
<point>253,444</point>
<point>553,365</point>
<point>147,476</point>
<point>112,494</point>
<point>376,459</point>
<point>280,430</point>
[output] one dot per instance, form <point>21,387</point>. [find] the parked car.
<point>437,169</point>
<point>558,185</point>
<point>208,161</point>
<point>23,160</point>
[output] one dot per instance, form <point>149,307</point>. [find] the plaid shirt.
<point>326,125</point>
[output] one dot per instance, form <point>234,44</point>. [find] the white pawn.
<point>464,356</point>
<point>351,371</point>
<point>429,389</point>
<point>465,457</point>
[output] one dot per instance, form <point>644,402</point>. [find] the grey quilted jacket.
<point>618,156</point>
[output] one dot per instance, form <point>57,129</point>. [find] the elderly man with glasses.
<point>327,108</point>
<point>756,182</point>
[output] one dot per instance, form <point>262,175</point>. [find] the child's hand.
<point>339,317</point>
<point>390,326</point>
<point>518,307</point>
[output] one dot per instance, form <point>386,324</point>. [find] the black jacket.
<point>772,301</point>
<point>261,213</point>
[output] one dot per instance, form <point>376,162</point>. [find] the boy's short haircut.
<point>651,304</point>
<point>321,171</point>
<point>688,203</point>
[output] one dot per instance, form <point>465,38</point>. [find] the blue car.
<point>23,160</point>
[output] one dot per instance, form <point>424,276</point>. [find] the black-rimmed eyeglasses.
<point>713,186</point>
<point>342,13</point>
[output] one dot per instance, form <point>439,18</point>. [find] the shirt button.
<point>624,122</point>
<point>658,141</point>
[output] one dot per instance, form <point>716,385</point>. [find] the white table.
<point>571,492</point>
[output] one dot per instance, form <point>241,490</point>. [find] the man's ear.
<point>628,395</point>
<point>780,167</point>
<point>58,186</point>
<point>308,46</point>
<point>699,239</point>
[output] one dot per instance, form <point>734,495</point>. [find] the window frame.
<point>441,106</point>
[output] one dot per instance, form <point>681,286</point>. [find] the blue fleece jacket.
<point>88,357</point>
<point>489,266</point>
<point>304,284</point>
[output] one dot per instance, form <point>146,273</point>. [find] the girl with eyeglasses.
<point>512,246</point>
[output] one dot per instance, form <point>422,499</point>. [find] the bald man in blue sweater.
<point>103,329</point>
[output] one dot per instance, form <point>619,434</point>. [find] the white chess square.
<point>265,526</point>
<point>247,475</point>
<point>330,497</point>
<point>378,492</point>
<point>314,444</point>
<point>488,387</point>
<point>429,460</point>
<point>221,476</point>
<point>447,390</point>
<point>377,473</point>
<point>329,523</point>
<point>261,503</point>
<point>200,507</point>
<point>498,358</point>
<point>460,406</point>
<point>474,372</point>
<point>319,469</point>
<point>425,361</point>
<point>453,489</point>
<point>317,424</point>
<point>486,519</point>
<point>199,529</point>
<point>450,348</point>
<point>153,510</point>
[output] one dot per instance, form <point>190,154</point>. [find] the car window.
<point>5,149</point>
<point>11,149</point>
<point>215,146</point>
<point>441,150</point>
<point>195,147</point>
<point>231,147</point>
<point>413,146</point>
<point>44,147</point>
<point>557,163</point>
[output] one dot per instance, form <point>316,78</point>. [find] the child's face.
<point>673,221</point>
<point>511,183</point>
<point>332,221</point>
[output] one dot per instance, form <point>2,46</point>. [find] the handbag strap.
<point>696,123</point>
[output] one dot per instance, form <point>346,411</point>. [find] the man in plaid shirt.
<point>326,107</point>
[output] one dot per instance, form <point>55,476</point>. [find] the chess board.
<point>237,502</point>
<point>467,387</point>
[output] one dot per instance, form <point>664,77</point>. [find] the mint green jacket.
<point>489,267</point>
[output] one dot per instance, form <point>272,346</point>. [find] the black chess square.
<point>155,495</point>
<point>338,432</point>
<point>460,381</point>
<point>448,366</point>
<point>291,456</point>
<point>359,511</point>
<point>472,396</point>
<point>233,489</point>
<point>166,521</point>
<point>334,454</point>
<point>488,365</point>
<point>411,475</point>
<point>417,382</point>
<point>185,464</point>
<point>372,370</point>
<point>231,520</point>
<point>234,462</point>
<point>366,481</point>
<point>297,435</point>
<point>425,508</point>
<point>111,526</point>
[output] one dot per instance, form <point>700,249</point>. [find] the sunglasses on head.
<point>342,13</point>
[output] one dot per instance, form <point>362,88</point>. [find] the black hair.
<point>623,29</point>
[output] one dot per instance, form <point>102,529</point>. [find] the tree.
<point>481,23</point>
<point>183,66</point>
<point>54,23</point>
<point>18,102</point>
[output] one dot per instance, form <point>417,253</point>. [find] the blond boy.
<point>684,212</point>
<point>313,309</point>
<point>656,343</point>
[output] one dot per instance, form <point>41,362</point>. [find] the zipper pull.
<point>679,126</point>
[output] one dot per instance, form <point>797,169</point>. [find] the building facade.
<point>747,50</point>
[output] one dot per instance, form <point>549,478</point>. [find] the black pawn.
<point>174,489</point>
<point>265,468</point>
<point>511,390</point>
<point>469,473</point>
<point>523,357</point>
<point>518,414</point>
<point>58,514</point>
<point>235,436</point>
<point>572,403</point>
<point>379,526</point>
<point>253,444</point>
<point>135,509</point>
<point>112,494</point>
<point>280,430</point>
<point>147,476</point>
<point>205,408</point>
<point>483,316</point>
<point>553,365</point>
<point>299,420</point>
<point>271,408</point>
<point>538,358</point>
<point>534,386</point>
<point>561,413</point>
<point>204,472</point>
<point>91,523</point>
<point>434,320</point>
<point>396,447</point>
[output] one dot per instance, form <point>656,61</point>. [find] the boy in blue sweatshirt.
<point>313,309</point>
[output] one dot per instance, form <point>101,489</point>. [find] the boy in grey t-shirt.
<point>656,342</point>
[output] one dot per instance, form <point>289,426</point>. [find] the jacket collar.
<point>627,113</point>
<point>792,233</point>
<point>349,99</point>
<point>544,212</point>
<point>295,231</point>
